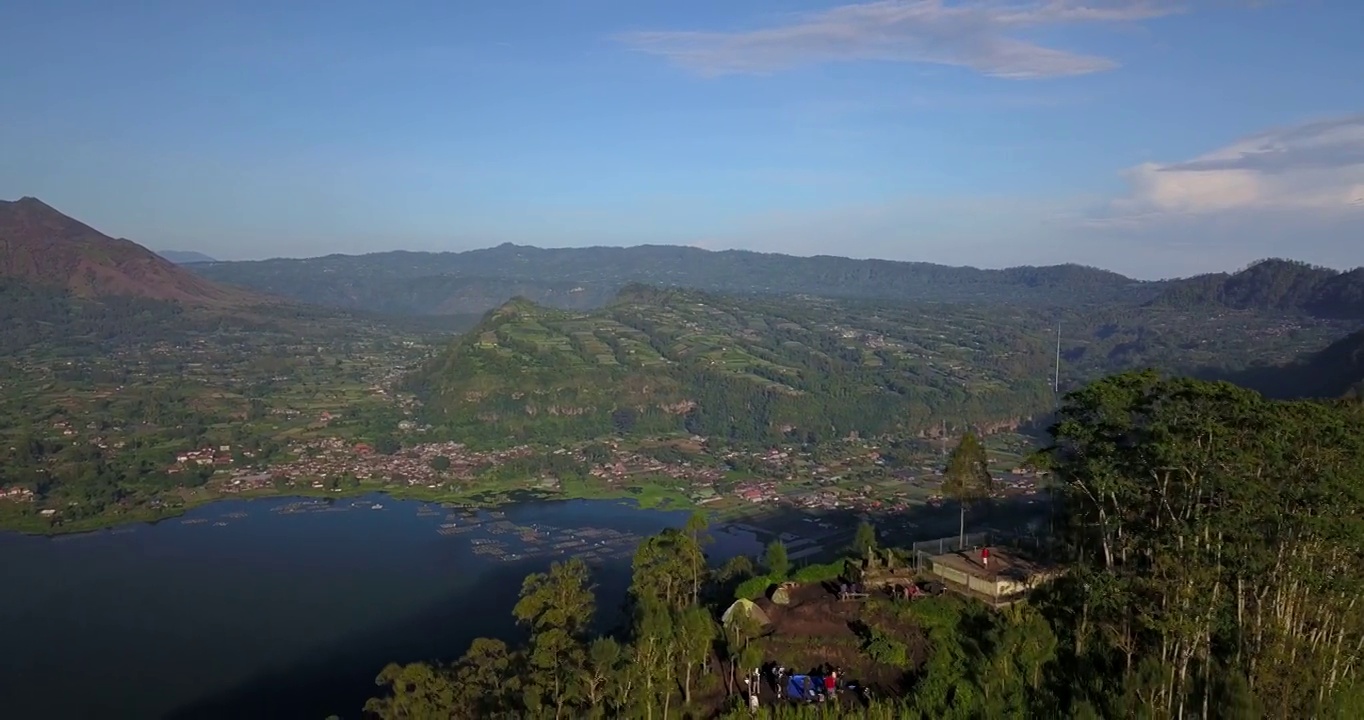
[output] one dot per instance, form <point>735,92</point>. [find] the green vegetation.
<point>967,478</point>
<point>1212,541</point>
<point>1274,285</point>
<point>121,409</point>
<point>761,370</point>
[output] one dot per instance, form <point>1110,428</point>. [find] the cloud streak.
<point>1315,166</point>
<point>983,36</point>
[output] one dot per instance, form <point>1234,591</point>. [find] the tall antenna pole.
<point>1056,379</point>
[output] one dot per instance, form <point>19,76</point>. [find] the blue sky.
<point>1152,137</point>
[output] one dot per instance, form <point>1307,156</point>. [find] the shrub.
<point>753,587</point>
<point>819,573</point>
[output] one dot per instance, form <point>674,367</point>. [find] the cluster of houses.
<point>16,494</point>
<point>625,466</point>
<point>219,456</point>
<point>754,491</point>
<point>333,458</point>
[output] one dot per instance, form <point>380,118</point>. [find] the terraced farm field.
<point>758,368</point>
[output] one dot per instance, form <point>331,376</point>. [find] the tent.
<point>747,607</point>
<point>798,687</point>
<point>780,595</point>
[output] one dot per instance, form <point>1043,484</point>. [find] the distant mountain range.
<point>43,251</point>
<point>476,281</point>
<point>42,246</point>
<point>185,257</point>
<point>578,278</point>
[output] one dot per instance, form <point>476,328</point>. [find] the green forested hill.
<point>756,368</point>
<point>1273,284</point>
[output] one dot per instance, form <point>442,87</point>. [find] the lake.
<point>280,608</point>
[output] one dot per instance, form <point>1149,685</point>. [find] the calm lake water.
<point>280,614</point>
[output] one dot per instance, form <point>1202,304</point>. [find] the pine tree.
<point>967,477</point>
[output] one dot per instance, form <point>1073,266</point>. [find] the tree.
<point>696,557</point>
<point>695,631</point>
<point>664,567</point>
<point>440,463</point>
<point>387,445</point>
<point>967,477</point>
<point>655,654</point>
<point>486,677</point>
<point>623,420</point>
<point>778,564</point>
<point>864,540</point>
<point>417,691</point>
<point>1213,534</point>
<point>605,658</point>
<point>557,607</point>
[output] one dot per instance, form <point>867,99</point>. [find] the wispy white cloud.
<point>981,35</point>
<point>1294,191</point>
<point>1315,167</point>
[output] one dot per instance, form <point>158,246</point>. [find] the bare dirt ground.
<point>817,628</point>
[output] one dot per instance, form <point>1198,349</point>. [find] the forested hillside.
<point>667,360</point>
<point>1336,371</point>
<point>1274,284</point>
<point>1211,539</point>
<point>579,278</point>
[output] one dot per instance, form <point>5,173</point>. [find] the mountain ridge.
<point>587,278</point>
<point>185,257</point>
<point>41,245</point>
<point>1274,284</point>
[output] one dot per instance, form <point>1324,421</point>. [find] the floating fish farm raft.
<point>501,539</point>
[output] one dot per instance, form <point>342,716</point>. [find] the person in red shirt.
<point>830,682</point>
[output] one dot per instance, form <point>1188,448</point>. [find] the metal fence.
<point>926,549</point>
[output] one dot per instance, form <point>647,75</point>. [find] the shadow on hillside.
<point>1283,382</point>
<point>1332,372</point>
<point>833,530</point>
<point>337,679</point>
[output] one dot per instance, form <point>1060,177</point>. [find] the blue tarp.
<point>796,685</point>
